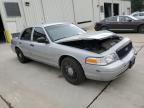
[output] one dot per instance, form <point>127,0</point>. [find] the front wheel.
<point>72,71</point>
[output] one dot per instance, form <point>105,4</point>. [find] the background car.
<point>138,15</point>
<point>121,24</point>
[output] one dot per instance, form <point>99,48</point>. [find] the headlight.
<point>110,58</point>
<point>101,61</point>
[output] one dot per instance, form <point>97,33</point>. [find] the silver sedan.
<point>101,55</point>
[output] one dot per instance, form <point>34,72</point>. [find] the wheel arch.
<point>16,47</point>
<point>64,56</point>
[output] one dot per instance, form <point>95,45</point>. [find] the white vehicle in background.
<point>138,15</point>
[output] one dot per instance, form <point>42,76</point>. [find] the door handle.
<point>32,45</point>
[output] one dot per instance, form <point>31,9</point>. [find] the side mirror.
<point>42,40</point>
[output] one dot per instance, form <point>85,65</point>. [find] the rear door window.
<point>27,34</point>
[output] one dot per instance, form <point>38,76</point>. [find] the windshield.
<point>61,31</point>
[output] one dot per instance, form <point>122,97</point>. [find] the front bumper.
<point>111,71</point>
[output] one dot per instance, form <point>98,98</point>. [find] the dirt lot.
<point>36,85</point>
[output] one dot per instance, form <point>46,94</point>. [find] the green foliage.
<point>137,5</point>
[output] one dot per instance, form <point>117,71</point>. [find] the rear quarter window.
<point>26,35</point>
<point>111,19</point>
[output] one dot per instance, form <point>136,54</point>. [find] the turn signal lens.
<point>102,60</point>
<point>91,60</point>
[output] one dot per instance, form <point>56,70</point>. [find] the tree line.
<point>137,5</point>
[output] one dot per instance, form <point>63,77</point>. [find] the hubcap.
<point>20,55</point>
<point>70,71</point>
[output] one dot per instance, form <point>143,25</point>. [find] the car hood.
<point>88,36</point>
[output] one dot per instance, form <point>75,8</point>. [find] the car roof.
<point>122,16</point>
<point>117,16</point>
<point>49,24</point>
<point>138,12</point>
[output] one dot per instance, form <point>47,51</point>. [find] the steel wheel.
<point>72,71</point>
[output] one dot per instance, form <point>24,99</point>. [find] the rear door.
<point>25,41</point>
<point>112,23</point>
<point>126,24</point>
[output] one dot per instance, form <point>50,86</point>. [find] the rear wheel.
<point>20,56</point>
<point>141,29</point>
<point>72,71</point>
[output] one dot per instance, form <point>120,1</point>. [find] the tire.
<point>20,56</point>
<point>72,71</point>
<point>104,28</point>
<point>141,29</point>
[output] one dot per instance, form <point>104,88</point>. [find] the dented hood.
<point>100,35</point>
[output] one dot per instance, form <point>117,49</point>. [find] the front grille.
<point>125,50</point>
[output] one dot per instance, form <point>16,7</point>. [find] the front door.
<point>41,48</point>
<point>25,41</point>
